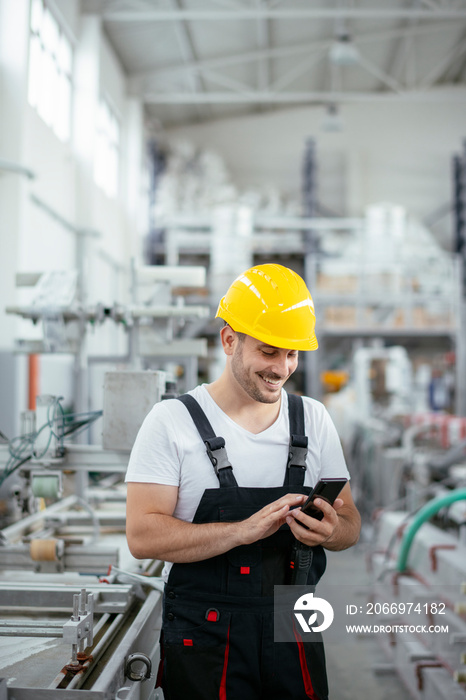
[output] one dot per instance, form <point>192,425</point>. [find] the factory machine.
<point>418,594</point>
<point>77,611</point>
<point>409,479</point>
<point>79,616</point>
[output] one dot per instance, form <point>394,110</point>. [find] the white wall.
<point>13,69</point>
<point>30,239</point>
<point>399,152</point>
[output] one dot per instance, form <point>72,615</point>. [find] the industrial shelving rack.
<point>394,301</point>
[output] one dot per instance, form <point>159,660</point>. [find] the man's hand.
<point>267,520</point>
<point>318,531</point>
<point>338,529</point>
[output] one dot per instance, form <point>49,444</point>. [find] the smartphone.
<point>328,490</point>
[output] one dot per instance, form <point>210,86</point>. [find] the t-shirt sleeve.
<point>155,455</point>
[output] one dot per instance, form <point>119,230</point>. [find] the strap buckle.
<point>298,451</point>
<point>220,458</point>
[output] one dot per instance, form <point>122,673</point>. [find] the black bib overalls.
<point>217,634</point>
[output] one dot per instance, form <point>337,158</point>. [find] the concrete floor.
<point>352,659</point>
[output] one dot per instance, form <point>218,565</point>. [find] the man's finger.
<point>306,520</point>
<point>325,507</point>
<point>318,526</point>
<point>291,499</point>
<point>306,536</point>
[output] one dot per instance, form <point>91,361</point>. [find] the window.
<point>50,65</point>
<point>107,150</point>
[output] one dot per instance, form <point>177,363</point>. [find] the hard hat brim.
<point>303,344</point>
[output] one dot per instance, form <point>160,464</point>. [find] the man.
<point>214,482</point>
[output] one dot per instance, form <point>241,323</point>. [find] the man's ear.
<point>229,339</point>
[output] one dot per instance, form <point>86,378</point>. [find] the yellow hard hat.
<point>271,303</point>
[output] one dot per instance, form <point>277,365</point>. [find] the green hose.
<point>425,513</point>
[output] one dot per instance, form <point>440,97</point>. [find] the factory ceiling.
<point>197,60</point>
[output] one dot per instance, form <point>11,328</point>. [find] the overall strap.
<point>296,465</point>
<point>215,446</point>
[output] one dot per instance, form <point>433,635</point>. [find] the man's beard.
<point>247,383</point>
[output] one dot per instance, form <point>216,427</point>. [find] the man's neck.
<point>254,416</point>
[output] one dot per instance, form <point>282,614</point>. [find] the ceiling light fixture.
<point>332,121</point>
<point>343,52</point>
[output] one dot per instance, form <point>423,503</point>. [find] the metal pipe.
<point>15,168</point>
<point>78,230</point>
<point>112,359</point>
<point>155,582</point>
<point>95,520</point>
<point>33,380</point>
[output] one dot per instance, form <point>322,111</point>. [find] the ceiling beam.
<point>225,81</point>
<point>137,81</point>
<point>268,12</point>
<point>374,70</point>
<point>187,50</point>
<point>442,67</point>
<point>455,74</point>
<point>299,69</point>
<point>231,4</point>
<point>253,97</point>
<point>263,42</point>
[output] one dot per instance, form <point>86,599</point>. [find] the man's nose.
<point>281,365</point>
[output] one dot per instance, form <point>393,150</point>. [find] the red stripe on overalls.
<point>159,679</point>
<point>308,687</point>
<point>223,683</point>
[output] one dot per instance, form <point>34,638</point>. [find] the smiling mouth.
<point>272,383</point>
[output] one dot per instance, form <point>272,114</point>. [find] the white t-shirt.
<point>169,450</point>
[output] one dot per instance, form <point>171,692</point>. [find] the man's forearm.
<point>170,539</point>
<point>161,536</point>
